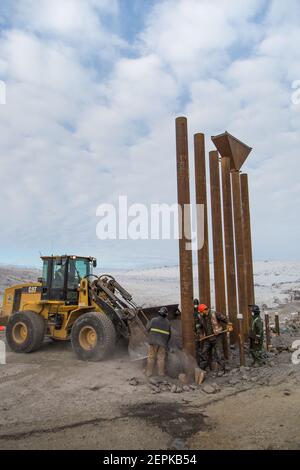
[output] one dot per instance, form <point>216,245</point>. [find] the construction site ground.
<point>51,400</point>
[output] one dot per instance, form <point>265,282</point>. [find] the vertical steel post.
<point>216,211</point>
<point>201,198</point>
<point>277,326</point>
<point>185,254</point>
<point>247,242</point>
<point>229,248</point>
<point>268,334</point>
<point>241,338</point>
<point>239,246</point>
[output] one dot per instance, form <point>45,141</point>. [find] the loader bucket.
<point>138,345</point>
<point>138,341</point>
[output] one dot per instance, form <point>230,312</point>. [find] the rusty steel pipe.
<point>201,198</point>
<point>277,325</point>
<point>247,242</point>
<point>229,248</point>
<point>216,212</point>
<point>239,247</point>
<point>185,254</point>
<point>241,339</point>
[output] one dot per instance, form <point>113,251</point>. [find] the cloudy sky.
<point>92,91</point>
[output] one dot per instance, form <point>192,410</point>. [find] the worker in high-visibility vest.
<point>159,329</point>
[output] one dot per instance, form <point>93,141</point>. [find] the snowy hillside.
<point>274,282</point>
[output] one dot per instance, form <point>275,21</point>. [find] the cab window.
<point>58,274</point>
<point>45,272</point>
<point>78,269</point>
<point>83,267</point>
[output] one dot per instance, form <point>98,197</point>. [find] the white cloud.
<point>89,116</point>
<point>193,37</point>
<point>64,17</point>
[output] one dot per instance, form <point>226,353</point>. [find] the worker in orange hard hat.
<point>198,308</point>
<point>210,326</point>
<point>203,308</point>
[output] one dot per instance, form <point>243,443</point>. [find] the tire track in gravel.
<point>25,434</point>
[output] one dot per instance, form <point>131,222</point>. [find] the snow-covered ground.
<point>274,280</point>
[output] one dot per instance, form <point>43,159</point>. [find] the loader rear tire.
<point>25,332</point>
<point>93,337</point>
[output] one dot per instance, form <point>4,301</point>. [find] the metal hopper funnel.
<point>229,146</point>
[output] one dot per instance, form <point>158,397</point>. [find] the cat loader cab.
<point>62,276</point>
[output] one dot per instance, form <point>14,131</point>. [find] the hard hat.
<point>163,311</point>
<point>255,309</point>
<point>202,307</point>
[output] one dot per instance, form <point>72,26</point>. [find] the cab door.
<point>54,279</point>
<point>78,268</point>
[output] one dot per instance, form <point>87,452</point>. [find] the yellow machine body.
<point>27,297</point>
<point>70,302</point>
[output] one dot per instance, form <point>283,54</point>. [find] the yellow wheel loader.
<point>69,302</point>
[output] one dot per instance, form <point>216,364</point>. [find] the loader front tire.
<point>93,337</point>
<point>25,332</point>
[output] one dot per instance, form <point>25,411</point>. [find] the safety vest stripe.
<point>156,330</point>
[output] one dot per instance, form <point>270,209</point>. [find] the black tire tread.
<point>36,325</point>
<point>105,325</point>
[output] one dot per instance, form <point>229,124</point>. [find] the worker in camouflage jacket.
<point>256,336</point>
<point>199,345</point>
<point>159,329</point>
<point>196,314</point>
<point>210,324</point>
